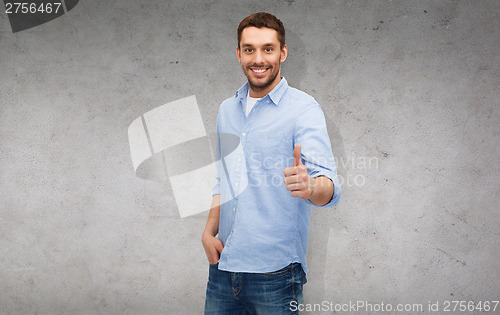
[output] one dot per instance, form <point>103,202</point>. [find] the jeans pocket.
<point>214,265</point>
<point>282,271</point>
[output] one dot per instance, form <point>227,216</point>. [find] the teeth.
<point>259,70</point>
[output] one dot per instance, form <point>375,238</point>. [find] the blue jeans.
<point>254,293</point>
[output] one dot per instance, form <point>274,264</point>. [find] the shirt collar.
<point>275,95</point>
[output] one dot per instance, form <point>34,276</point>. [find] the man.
<point>256,234</point>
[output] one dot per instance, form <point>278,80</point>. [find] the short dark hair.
<point>263,19</point>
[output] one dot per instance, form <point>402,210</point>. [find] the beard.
<point>261,84</point>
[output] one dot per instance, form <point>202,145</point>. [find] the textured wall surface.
<point>410,93</point>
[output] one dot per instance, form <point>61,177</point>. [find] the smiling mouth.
<point>259,70</point>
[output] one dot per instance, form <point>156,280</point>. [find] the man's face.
<point>260,57</point>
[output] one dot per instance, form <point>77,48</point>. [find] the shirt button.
<point>234,209</point>
<point>268,101</point>
<point>239,159</point>
<point>236,184</point>
<point>243,134</point>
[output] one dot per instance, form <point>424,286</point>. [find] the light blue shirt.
<point>263,228</point>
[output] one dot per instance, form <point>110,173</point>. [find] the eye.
<point>248,50</point>
<point>268,49</point>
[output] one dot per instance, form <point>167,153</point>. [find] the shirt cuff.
<point>216,189</point>
<point>336,191</point>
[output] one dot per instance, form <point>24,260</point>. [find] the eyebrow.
<point>265,45</point>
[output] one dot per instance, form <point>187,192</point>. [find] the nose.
<point>259,57</point>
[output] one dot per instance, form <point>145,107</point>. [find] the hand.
<point>297,178</point>
<point>213,247</point>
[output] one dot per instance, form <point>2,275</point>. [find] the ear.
<point>238,53</point>
<point>283,54</point>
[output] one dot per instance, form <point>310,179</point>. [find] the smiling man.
<point>256,234</point>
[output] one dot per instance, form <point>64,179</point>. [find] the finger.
<point>214,259</point>
<point>289,171</point>
<point>297,193</point>
<point>218,246</point>
<point>292,179</point>
<point>296,156</point>
<point>214,256</point>
<point>301,193</point>
<point>295,187</point>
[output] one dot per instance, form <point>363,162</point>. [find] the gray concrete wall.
<point>410,92</point>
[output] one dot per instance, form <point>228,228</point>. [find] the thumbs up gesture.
<point>297,178</point>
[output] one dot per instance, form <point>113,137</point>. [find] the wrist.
<point>312,187</point>
<point>207,233</point>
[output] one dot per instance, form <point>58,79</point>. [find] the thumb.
<point>296,156</point>
<point>218,246</point>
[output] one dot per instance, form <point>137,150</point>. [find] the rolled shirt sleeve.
<point>316,151</point>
